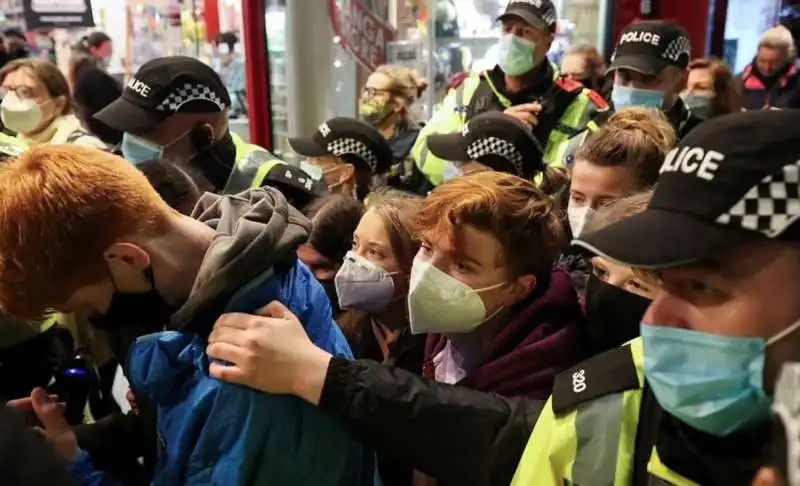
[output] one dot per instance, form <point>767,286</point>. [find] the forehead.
<point>371,228</point>
<point>767,262</point>
<point>700,75</point>
<point>768,52</point>
<point>574,63</point>
<point>513,22</point>
<point>470,242</point>
<point>23,76</point>
<point>590,179</point>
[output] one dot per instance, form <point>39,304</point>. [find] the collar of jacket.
<point>539,340</point>
<point>679,115</point>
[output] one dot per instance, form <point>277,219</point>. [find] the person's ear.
<point>60,104</point>
<point>348,174</point>
<point>521,289</point>
<point>127,254</point>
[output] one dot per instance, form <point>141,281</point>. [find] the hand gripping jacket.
<point>459,106</point>
<point>586,434</point>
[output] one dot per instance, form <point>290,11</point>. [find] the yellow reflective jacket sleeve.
<point>587,430</point>
<point>550,451</point>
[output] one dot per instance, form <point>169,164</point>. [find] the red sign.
<point>362,33</point>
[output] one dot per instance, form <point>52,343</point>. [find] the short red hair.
<point>510,208</point>
<point>61,207</point>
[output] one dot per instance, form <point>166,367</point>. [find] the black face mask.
<point>330,289</point>
<point>215,161</point>
<point>132,315</point>
<point>613,315</point>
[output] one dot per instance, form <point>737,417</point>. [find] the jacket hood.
<point>540,340</point>
<point>255,230</point>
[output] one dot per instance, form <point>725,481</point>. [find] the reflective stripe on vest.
<point>248,170</point>
<point>451,117</point>
<point>592,444</point>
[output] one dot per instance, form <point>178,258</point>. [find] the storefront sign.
<point>48,14</point>
<point>363,34</point>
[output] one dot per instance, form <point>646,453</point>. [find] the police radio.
<point>786,424</point>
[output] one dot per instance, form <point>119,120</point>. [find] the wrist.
<point>311,376</point>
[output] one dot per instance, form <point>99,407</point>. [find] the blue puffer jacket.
<point>215,433</point>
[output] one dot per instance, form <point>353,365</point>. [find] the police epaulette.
<point>611,372</point>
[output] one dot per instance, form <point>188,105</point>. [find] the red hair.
<point>61,207</point>
<point>510,208</point>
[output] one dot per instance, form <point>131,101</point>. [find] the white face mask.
<point>579,217</point>
<point>20,115</point>
<point>440,303</point>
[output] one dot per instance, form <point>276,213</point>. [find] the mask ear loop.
<point>783,333</point>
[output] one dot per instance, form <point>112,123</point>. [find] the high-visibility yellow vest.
<point>251,166</point>
<point>586,433</point>
<point>451,117</point>
<point>11,146</point>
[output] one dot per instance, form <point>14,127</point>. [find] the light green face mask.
<point>515,54</point>
<point>699,104</point>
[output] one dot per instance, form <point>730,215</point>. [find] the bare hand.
<point>768,477</point>
<point>132,401</point>
<point>56,430</point>
<point>270,352</point>
<point>526,113</point>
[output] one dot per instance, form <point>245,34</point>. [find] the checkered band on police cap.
<point>680,46</point>
<point>769,207</point>
<point>351,146</point>
<point>495,146</point>
<point>187,93</point>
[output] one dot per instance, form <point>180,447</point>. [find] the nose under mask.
<point>20,115</point>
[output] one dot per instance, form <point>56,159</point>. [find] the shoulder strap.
<point>611,372</point>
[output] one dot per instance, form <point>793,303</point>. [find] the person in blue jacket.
<point>158,281</point>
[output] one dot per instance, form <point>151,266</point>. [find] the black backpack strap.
<point>646,435</point>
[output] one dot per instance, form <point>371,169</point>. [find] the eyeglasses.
<point>371,92</point>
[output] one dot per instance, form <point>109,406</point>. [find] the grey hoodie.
<point>256,230</point>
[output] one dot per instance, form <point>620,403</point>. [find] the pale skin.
<point>527,112</point>
<point>371,241</point>
<point>339,175</point>
<point>27,85</point>
<point>670,82</point>
<point>596,186</point>
<point>770,60</point>
<point>700,81</point>
<point>378,87</point>
<point>277,341</point>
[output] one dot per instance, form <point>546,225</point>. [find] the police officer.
<point>688,402</point>
<point>176,108</point>
<point>493,141</point>
<point>346,156</point>
<point>524,84</point>
<point>649,67</point>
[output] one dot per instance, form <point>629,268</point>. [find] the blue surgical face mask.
<point>626,97</point>
<point>515,54</point>
<point>712,383</point>
<point>699,104</point>
<point>313,171</point>
<point>137,150</point>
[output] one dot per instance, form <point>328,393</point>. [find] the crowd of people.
<point>570,275</point>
